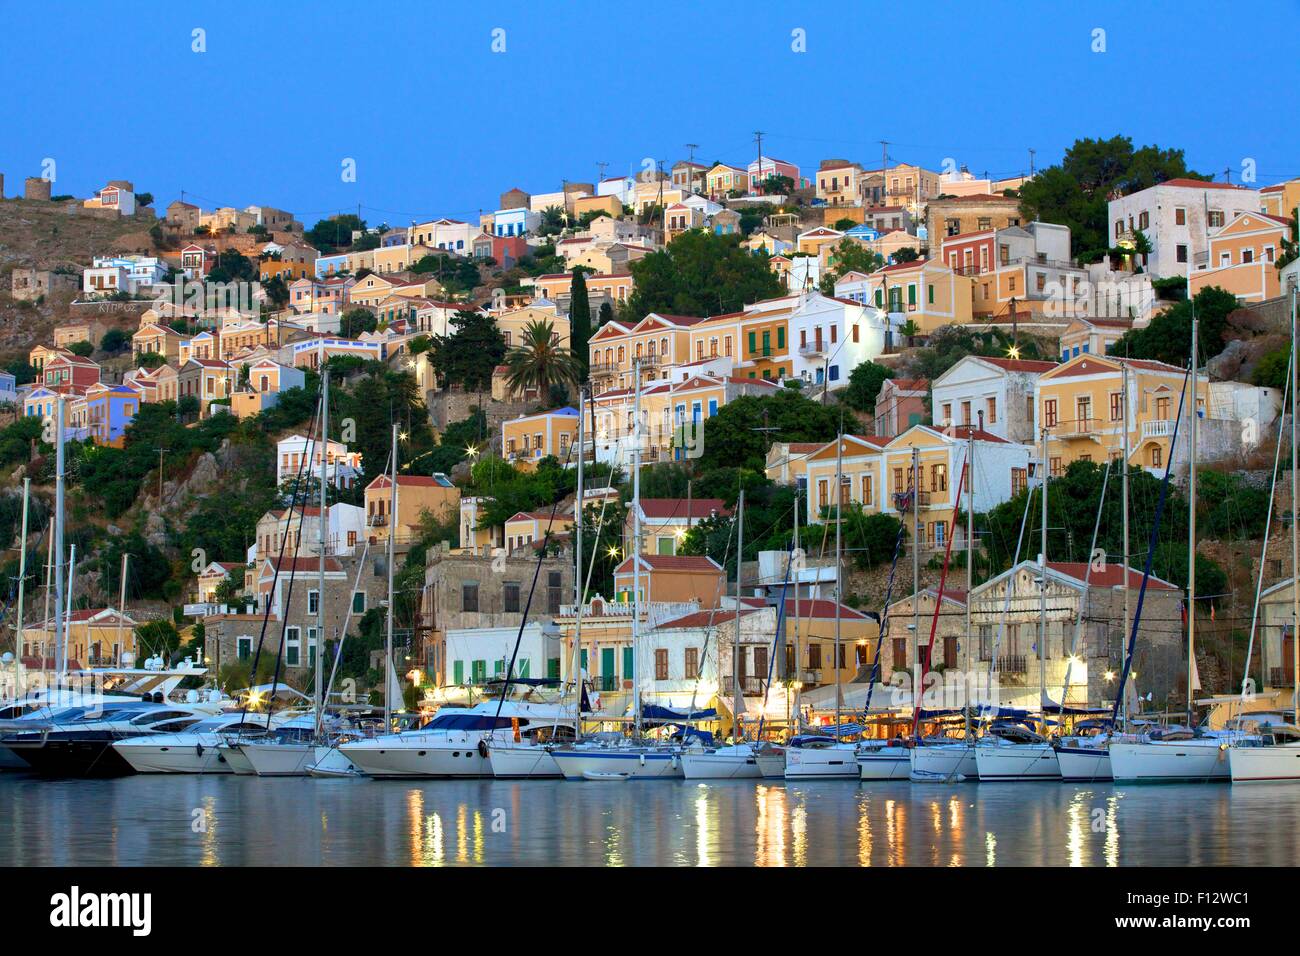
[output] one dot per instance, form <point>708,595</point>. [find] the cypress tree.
<point>579,319</point>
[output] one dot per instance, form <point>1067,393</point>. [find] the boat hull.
<point>329,762</point>
<point>821,763</point>
<point>887,763</point>
<point>384,760</point>
<point>721,766</point>
<point>150,756</point>
<point>279,760</point>
<point>635,765</point>
<point>1083,764</point>
<point>1017,763</point>
<point>944,760</point>
<point>519,762</point>
<point>82,757</point>
<point>1169,762</point>
<point>235,759</point>
<point>1264,764</point>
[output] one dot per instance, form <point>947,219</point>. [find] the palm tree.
<point>538,362</point>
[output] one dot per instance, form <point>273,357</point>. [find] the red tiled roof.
<point>672,562</point>
<point>900,266</point>
<point>1111,576</point>
<point>706,618</point>
<point>666,508</point>
<point>909,384</point>
<point>1018,365</point>
<point>1185,183</point>
<point>963,432</point>
<point>298,565</point>
<point>821,609</point>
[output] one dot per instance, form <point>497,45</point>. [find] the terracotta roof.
<point>666,508</point>
<point>706,618</point>
<point>821,609</point>
<point>299,565</point>
<point>964,432</point>
<point>1198,184</point>
<point>672,562</point>
<point>1018,365</point>
<point>421,481</point>
<point>900,266</point>
<point>909,384</point>
<point>1111,576</point>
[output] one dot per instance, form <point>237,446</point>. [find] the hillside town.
<point>679,335</point>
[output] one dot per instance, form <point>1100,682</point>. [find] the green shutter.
<point>911,295</point>
<point>931,293</point>
<point>780,337</point>
<point>584,658</point>
<point>553,667</point>
<point>880,298</point>
<point>499,667</point>
<point>627,663</point>
<point>523,668</point>
<point>752,343</point>
<point>458,672</point>
<point>478,671</point>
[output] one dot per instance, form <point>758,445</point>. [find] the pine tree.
<point>579,320</point>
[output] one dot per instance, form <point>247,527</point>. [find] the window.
<point>965,413</point>
<point>1019,481</point>
<point>991,411</point>
<point>1116,406</point>
<point>244,648</point>
<point>292,646</point>
<point>867,490</point>
<point>1056,467</point>
<point>814,656</point>
<point>469,597</point>
<point>692,663</point>
<point>1049,413</point>
<point>1157,456</point>
<point>554,586</point>
<point>1180,252</point>
<point>358,602</point>
<point>510,597</point>
<point>313,602</point>
<point>661,663</point>
<point>1180,216</point>
<point>938,477</point>
<point>1215,219</point>
<point>900,653</point>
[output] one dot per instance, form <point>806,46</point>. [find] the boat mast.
<point>970,550</point>
<point>578,582</point>
<point>1042,589</point>
<point>1295,532</point>
<point>67,614</point>
<point>839,560</point>
<point>1128,613</point>
<point>60,651</point>
<point>22,587</point>
<point>392,531</point>
<point>636,540</point>
<point>1191,527</point>
<point>324,442</point>
<point>738,699</point>
<point>788,717</point>
<point>916,579</point>
<point>121,603</point>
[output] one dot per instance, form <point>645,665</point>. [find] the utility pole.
<point>758,138</point>
<point>1031,163</point>
<point>600,175</point>
<point>884,164</point>
<point>161,452</point>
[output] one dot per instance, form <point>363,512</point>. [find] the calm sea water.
<point>238,821</point>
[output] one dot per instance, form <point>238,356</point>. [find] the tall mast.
<point>578,582</point>
<point>60,658</point>
<point>1295,533</point>
<point>1128,613</point>
<point>795,677</point>
<point>22,587</point>
<point>121,603</point>
<point>738,698</point>
<point>324,443</point>
<point>1191,527</point>
<point>970,549</point>
<point>916,577</point>
<point>839,584</point>
<point>1042,590</point>
<point>392,533</point>
<point>636,540</point>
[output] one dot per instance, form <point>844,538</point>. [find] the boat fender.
<point>483,749</point>
<point>198,749</point>
<point>641,758</point>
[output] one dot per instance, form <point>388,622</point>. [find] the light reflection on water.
<point>232,821</point>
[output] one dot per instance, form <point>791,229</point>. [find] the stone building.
<point>36,187</point>
<point>472,591</point>
<point>31,284</point>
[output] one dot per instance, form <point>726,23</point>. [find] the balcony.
<point>811,351</point>
<point>606,682</point>
<point>753,686</point>
<point>1010,664</point>
<point>1083,427</point>
<point>1161,428</point>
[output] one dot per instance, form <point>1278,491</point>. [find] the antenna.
<point>691,148</point>
<point>758,175</point>
<point>600,174</point>
<point>1031,162</point>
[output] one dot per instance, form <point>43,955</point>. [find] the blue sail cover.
<point>657,714</point>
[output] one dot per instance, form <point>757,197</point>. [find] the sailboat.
<point>819,756</point>
<point>742,758</point>
<point>1276,755</point>
<point>610,755</point>
<point>1179,754</point>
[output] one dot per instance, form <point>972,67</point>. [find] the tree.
<point>330,235</point>
<point>150,360</point>
<point>144,199</point>
<point>849,256</point>
<point>579,320</point>
<point>539,363</point>
<point>231,266</point>
<point>114,341</point>
<point>1168,337</point>
<point>906,254</point>
<point>1076,192</point>
<point>733,437</point>
<point>606,314</point>
<point>844,225</point>
<point>552,222</point>
<point>1270,372</point>
<point>700,273</point>
<point>468,355</point>
<point>864,385</point>
<point>83,348</point>
<point>354,322</point>
<point>277,291</point>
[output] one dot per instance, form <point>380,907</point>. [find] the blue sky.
<point>439,124</point>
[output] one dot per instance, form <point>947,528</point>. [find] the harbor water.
<point>249,821</point>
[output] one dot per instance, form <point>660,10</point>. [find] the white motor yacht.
<point>1012,753</point>
<point>734,761</point>
<point>1178,756</point>
<point>193,750</point>
<point>1274,756</point>
<point>817,757</point>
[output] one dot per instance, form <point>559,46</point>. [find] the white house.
<point>620,186</point>
<point>478,654</point>
<point>1002,389</point>
<point>450,234</point>
<point>342,466</point>
<point>131,274</point>
<point>515,222</point>
<point>829,336</point>
<point>1177,217</point>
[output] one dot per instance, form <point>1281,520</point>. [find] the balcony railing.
<point>753,686</point>
<point>1079,428</point>
<point>816,348</point>
<point>1010,664</point>
<point>1162,428</point>
<point>606,682</point>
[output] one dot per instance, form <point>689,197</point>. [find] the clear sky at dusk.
<point>439,124</point>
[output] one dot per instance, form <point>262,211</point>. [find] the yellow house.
<point>1281,199</point>
<point>837,183</point>
<point>723,179</point>
<point>416,494</point>
<point>672,579</point>
<point>1091,336</point>
<point>656,343</point>
<point>474,534</point>
<point>533,527</point>
<point>812,241</point>
<point>1080,403</point>
<point>926,292</point>
<point>157,340</point>
<point>1243,257</point>
<point>528,439</point>
<point>374,288</point>
<point>514,323</point>
<point>95,636</point>
<point>609,205</point>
